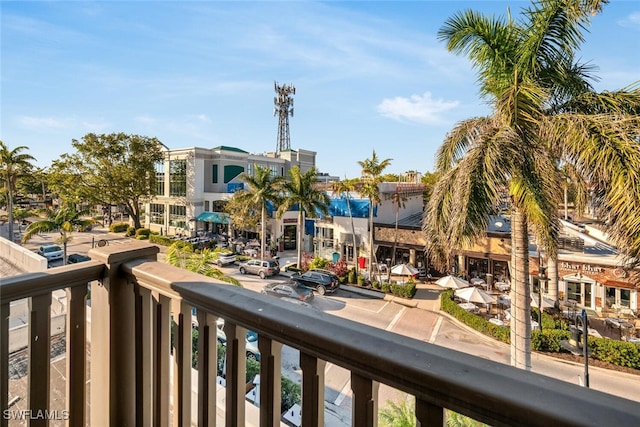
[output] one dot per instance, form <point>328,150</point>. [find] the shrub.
<point>376,285</point>
<point>386,288</point>
<point>318,262</point>
<point>360,280</point>
<point>351,276</point>
<point>161,240</point>
<point>118,227</point>
<point>131,231</point>
<point>407,290</point>
<point>340,268</point>
<point>143,232</point>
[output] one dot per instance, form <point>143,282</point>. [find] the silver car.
<point>262,268</point>
<point>51,252</point>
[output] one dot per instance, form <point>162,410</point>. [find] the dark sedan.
<point>288,290</point>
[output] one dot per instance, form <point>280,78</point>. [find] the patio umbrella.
<point>404,270</point>
<point>475,295</point>
<point>546,302</point>
<point>452,282</point>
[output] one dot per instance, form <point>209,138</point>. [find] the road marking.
<point>436,328</point>
<point>343,394</point>
<point>396,318</point>
<point>344,303</point>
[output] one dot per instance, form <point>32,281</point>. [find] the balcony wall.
<point>140,375</point>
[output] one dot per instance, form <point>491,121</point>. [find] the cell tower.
<point>283,102</point>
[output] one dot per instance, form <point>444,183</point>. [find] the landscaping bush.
<point>118,227</point>
<point>376,285</point>
<point>407,290</point>
<point>548,339</point>
<point>340,268</point>
<point>143,232</point>
<point>619,353</point>
<point>360,280</point>
<point>386,288</point>
<point>161,240</point>
<point>131,231</point>
<point>318,262</point>
<point>351,277</point>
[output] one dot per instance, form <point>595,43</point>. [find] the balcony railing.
<point>139,375</point>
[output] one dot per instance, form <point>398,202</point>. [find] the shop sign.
<point>587,268</point>
<point>290,220</point>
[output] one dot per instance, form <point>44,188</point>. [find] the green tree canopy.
<point>113,169</point>
<point>14,164</point>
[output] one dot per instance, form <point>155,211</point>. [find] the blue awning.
<point>219,217</point>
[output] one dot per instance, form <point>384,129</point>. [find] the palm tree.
<point>346,186</point>
<point>398,198</point>
<point>202,263</point>
<point>526,71</point>
<point>371,171</point>
<point>301,190</point>
<point>13,165</point>
<point>264,188</point>
<point>64,220</point>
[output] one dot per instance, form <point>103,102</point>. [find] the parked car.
<point>51,252</point>
<point>288,290</point>
<point>225,259</point>
<point>76,258</point>
<point>262,268</point>
<point>321,281</point>
<point>251,343</point>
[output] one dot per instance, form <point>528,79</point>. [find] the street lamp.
<point>388,270</point>
<point>542,279</point>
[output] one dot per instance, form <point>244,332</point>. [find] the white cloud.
<point>43,123</point>
<point>632,20</point>
<point>417,108</point>
<point>146,120</point>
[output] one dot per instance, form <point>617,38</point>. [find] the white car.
<point>51,252</point>
<point>225,259</point>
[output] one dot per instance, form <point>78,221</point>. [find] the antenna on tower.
<point>283,102</point>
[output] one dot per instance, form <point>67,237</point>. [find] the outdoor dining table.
<point>502,286</point>
<point>477,281</point>
<point>617,323</point>
<point>497,322</point>
<point>469,306</point>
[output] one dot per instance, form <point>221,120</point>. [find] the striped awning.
<point>218,217</point>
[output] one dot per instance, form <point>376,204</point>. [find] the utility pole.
<point>283,102</point>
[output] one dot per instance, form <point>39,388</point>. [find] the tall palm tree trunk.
<point>395,239</point>
<point>300,236</point>
<point>353,231</point>
<point>370,266</point>
<point>520,294</point>
<point>10,209</point>
<point>552,274</point>
<point>263,230</point>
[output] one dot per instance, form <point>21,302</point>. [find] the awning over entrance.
<point>218,217</point>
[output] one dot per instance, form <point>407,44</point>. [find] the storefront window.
<point>617,296</point>
<point>573,292</point>
<point>625,297</point>
<point>582,293</point>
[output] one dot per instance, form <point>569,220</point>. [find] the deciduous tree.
<point>113,169</point>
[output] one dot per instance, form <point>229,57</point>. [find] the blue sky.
<point>368,75</point>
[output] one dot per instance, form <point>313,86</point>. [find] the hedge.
<point>620,353</point>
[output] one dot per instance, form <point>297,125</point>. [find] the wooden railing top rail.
<point>33,284</point>
<point>485,390</point>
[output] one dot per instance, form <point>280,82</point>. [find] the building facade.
<point>192,183</point>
